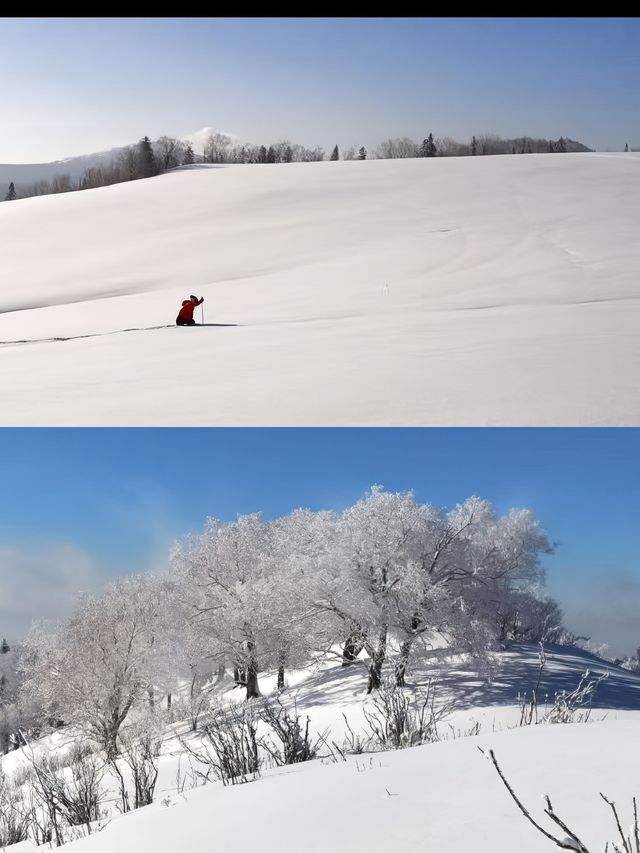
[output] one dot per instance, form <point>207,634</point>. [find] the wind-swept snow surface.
<point>472,291</point>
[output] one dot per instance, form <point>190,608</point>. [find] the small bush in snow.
<point>229,748</point>
<point>575,706</point>
<point>398,720</point>
<point>139,751</point>
<point>294,744</point>
<point>60,800</point>
<point>14,822</point>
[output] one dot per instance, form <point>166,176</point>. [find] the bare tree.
<point>393,149</point>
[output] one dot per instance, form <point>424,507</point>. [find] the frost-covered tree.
<point>8,698</point>
<point>184,657</point>
<point>169,152</point>
<point>524,614</point>
<point>92,670</point>
<point>11,193</point>
<point>369,579</point>
<point>261,595</point>
<point>362,153</point>
<point>302,554</point>
<point>217,148</point>
<point>471,556</point>
<point>392,149</point>
<point>228,572</point>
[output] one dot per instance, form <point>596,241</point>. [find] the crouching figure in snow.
<point>185,315</point>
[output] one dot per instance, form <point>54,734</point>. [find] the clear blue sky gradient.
<point>125,495</point>
<point>77,85</point>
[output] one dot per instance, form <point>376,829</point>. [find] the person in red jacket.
<point>185,315</point>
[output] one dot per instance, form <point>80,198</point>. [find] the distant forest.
<point>147,158</point>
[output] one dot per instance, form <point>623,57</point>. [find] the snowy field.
<point>496,290</point>
<point>441,797</point>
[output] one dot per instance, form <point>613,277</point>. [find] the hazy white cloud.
<point>605,606</point>
<point>43,583</point>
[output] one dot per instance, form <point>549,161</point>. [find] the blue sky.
<point>80,506</point>
<point>77,85</point>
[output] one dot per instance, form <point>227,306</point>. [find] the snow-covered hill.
<point>442,796</point>
<point>470,291</point>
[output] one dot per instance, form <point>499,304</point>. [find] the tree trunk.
<point>401,663</point>
<point>169,699</point>
<point>282,660</point>
<point>352,648</point>
<point>253,691</point>
<point>377,659</point>
<point>111,743</point>
<point>405,650</point>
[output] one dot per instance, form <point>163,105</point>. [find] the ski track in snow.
<point>114,332</point>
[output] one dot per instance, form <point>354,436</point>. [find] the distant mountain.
<point>26,174</point>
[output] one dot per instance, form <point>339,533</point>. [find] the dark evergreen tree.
<point>4,647</point>
<point>147,161</point>
<point>335,154</point>
<point>550,146</point>
<point>187,160</point>
<point>288,154</point>
<point>262,155</point>
<point>11,193</point>
<point>271,155</point>
<point>428,147</point>
<point>474,146</point>
<point>562,145</point>
<point>362,153</point>
<point>626,147</point>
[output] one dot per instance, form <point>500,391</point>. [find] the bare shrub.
<point>229,749</point>
<point>14,821</point>
<point>399,721</point>
<point>141,754</point>
<point>70,798</point>
<point>294,744</point>
<point>572,706</point>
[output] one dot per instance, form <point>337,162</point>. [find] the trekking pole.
<point>202,310</point>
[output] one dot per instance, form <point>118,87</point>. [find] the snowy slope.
<point>495,290</point>
<point>443,797</point>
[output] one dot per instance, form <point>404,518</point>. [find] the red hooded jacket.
<point>186,312</point>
